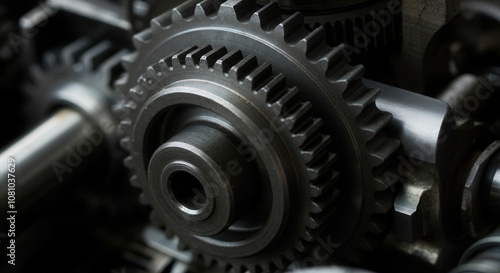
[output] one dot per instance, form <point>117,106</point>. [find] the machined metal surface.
<point>474,204</point>
<point>53,153</point>
<point>490,186</point>
<point>419,138</point>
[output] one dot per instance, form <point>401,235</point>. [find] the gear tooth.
<point>179,59</point>
<point>237,10</point>
<point>267,17</point>
<point>280,263</point>
<point>301,246</point>
<point>206,8</point>
<point>312,41</point>
<point>290,255</point>
<point>372,123</point>
<point>245,269</point>
<point>71,53</point>
<point>290,26</point>
<point>307,236</point>
<point>320,166</point>
<point>273,88</point>
<point>382,147</point>
<point>184,11</point>
<point>128,60</point>
<point>266,268</point>
<point>208,60</point>
<point>161,22</point>
<point>134,181</point>
<point>225,63</point>
<point>243,68</point>
<point>299,116</point>
<point>112,68</point>
<point>362,99</point>
<point>331,60</point>
<point>126,144</point>
<point>303,134</point>
<point>258,77</point>
<point>126,126</point>
<point>347,76</point>
<point>159,70</point>
<point>319,204</point>
<point>143,199</point>
<point>128,162</point>
<point>137,93</point>
<point>312,223</point>
<point>286,102</point>
<point>193,58</point>
<point>324,185</point>
<point>96,55</point>
<point>143,38</point>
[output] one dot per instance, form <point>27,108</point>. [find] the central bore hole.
<point>188,191</point>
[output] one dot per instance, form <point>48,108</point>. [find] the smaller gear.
<point>364,26</point>
<point>93,64</point>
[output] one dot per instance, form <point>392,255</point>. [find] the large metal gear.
<point>194,122</point>
<point>333,88</point>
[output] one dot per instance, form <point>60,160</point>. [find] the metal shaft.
<point>54,152</point>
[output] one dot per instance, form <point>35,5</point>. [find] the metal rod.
<point>55,152</point>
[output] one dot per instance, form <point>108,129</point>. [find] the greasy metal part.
<point>466,95</point>
<point>491,187</point>
<point>317,69</point>
<point>314,5</point>
<point>482,257</point>
<point>55,152</point>
<point>109,13</point>
<point>420,138</point>
<point>474,205</point>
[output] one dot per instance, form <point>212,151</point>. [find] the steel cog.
<point>319,71</point>
<point>270,94</point>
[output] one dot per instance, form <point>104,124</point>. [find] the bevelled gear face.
<point>183,103</point>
